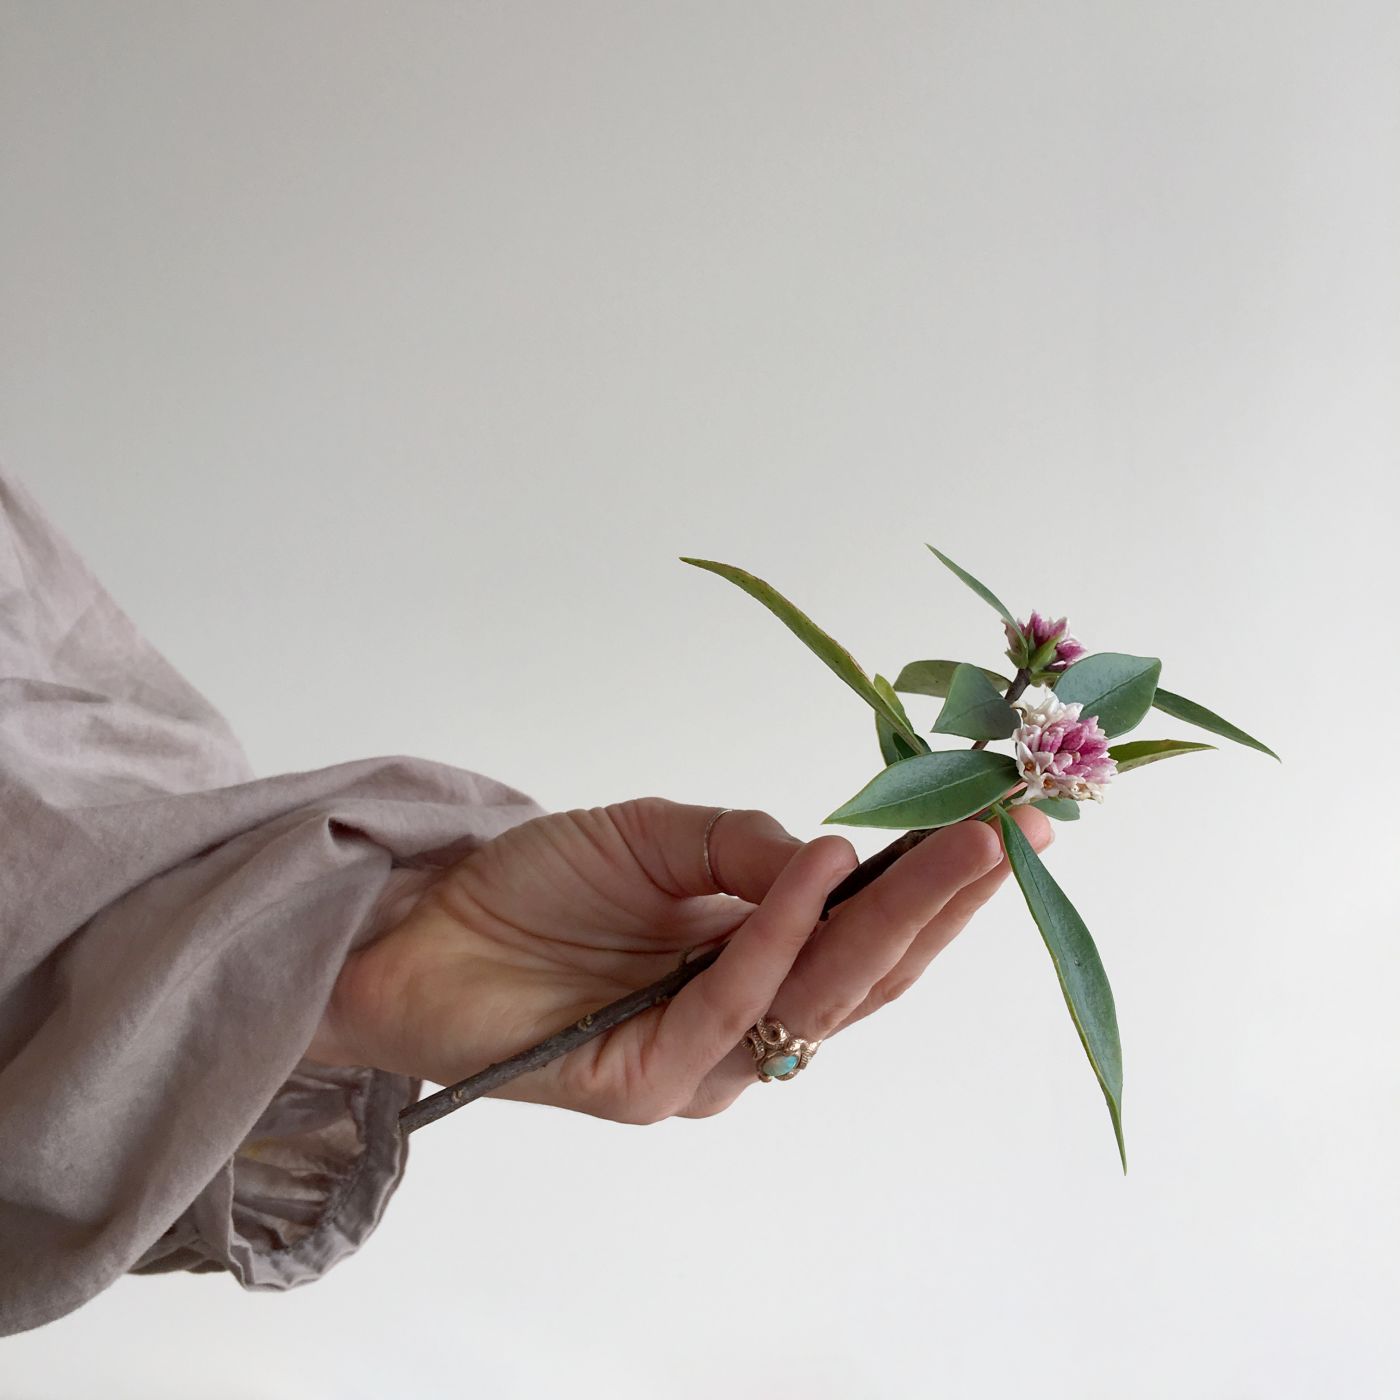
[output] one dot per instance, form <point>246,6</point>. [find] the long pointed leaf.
<point>1082,977</point>
<point>1179,707</point>
<point>934,677</point>
<point>893,745</point>
<point>1143,751</point>
<point>980,589</point>
<point>934,789</point>
<point>974,709</point>
<point>1112,685</point>
<point>832,652</point>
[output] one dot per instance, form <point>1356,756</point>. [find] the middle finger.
<point>951,919</point>
<point>870,933</point>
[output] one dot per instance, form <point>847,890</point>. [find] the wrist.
<point>338,1039</point>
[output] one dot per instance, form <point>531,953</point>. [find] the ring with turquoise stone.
<point>776,1054</point>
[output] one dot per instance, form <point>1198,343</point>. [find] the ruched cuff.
<point>173,928</point>
<point>309,1184</point>
<point>307,1187</point>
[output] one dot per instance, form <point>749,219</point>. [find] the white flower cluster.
<point>1058,754</point>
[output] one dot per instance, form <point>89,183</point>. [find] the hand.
<point>562,914</point>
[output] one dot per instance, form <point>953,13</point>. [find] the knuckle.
<point>636,1112</point>
<point>704,1108</point>
<point>717,1007</point>
<point>822,1020</point>
<point>833,853</point>
<point>836,842</point>
<point>883,906</point>
<point>635,815</point>
<point>891,989</point>
<point>651,807</point>
<point>650,1094</point>
<point>757,823</point>
<point>971,898</point>
<point>644,1109</point>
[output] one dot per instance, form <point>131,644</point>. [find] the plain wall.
<point>400,349</point>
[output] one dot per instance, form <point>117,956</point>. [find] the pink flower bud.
<point>1026,639</point>
<point>1058,753</point>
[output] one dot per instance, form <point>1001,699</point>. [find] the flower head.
<point>1041,645</point>
<point>1059,754</point>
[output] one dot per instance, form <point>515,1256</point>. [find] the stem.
<point>608,1017</point>
<point>456,1096</point>
<point>1014,691</point>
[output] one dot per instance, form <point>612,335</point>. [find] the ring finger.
<point>950,921</point>
<point>861,942</point>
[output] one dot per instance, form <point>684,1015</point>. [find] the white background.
<point>396,351</point>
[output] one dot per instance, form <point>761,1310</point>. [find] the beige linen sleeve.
<point>170,931</point>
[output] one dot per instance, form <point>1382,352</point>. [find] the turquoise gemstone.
<point>776,1065</point>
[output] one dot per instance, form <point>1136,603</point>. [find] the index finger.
<point>711,1014</point>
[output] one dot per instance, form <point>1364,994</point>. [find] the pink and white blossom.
<point>1058,753</point>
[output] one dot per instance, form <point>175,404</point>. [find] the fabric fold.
<point>171,928</point>
<point>304,1190</point>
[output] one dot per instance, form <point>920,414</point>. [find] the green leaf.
<point>974,709</point>
<point>932,789</point>
<point>833,653</point>
<point>893,745</point>
<point>1116,687</point>
<point>1179,707</point>
<point>1063,809</point>
<point>980,589</point>
<point>934,677</point>
<point>1077,965</point>
<point>1141,751</point>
